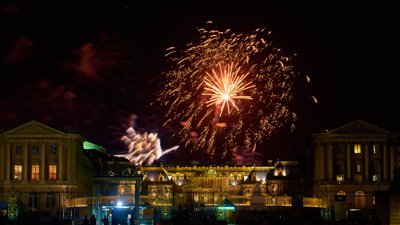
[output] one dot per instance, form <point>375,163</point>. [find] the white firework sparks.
<point>226,87</point>
<point>143,149</point>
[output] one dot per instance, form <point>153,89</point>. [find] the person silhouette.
<point>86,221</point>
<point>132,220</point>
<point>105,220</point>
<point>93,220</point>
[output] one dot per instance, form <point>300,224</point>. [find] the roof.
<point>226,204</point>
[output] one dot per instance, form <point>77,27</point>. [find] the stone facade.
<point>42,167</point>
<point>350,163</point>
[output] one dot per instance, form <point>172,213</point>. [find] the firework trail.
<point>143,149</point>
<point>225,69</point>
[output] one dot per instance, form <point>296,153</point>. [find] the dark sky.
<point>350,51</point>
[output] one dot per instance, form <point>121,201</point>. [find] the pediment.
<point>33,127</point>
<point>358,127</point>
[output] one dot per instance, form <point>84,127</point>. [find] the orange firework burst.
<point>226,87</point>
<point>247,79</point>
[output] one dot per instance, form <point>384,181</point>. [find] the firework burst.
<point>225,88</point>
<point>143,149</point>
<point>226,69</point>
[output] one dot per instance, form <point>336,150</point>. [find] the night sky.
<point>88,66</point>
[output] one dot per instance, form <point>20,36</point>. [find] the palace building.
<point>53,172</point>
<point>166,189</point>
<point>40,168</point>
<point>351,163</point>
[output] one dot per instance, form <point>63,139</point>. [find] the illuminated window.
<point>35,149</point>
<point>53,149</point>
<point>273,189</point>
<point>340,177</point>
<point>50,200</point>
<point>357,148</point>
<point>52,172</point>
<point>375,177</point>
<point>35,172</point>
<point>359,200</point>
<point>357,168</point>
<point>375,149</point>
<point>33,200</point>
<point>18,149</point>
<point>17,172</point>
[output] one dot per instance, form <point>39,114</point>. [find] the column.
<point>330,161</point>
<point>73,161</point>
<point>25,166</point>
<point>385,162</point>
<point>366,162</point>
<point>322,166</point>
<point>137,197</point>
<point>8,161</point>
<point>348,168</point>
<point>60,162</point>
<point>392,161</point>
<point>315,164</point>
<point>42,152</point>
<point>68,163</point>
<point>320,162</point>
<point>3,155</point>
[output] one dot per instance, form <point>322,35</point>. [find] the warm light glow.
<point>52,172</point>
<point>35,172</point>
<point>226,86</point>
<point>357,148</point>
<point>17,172</point>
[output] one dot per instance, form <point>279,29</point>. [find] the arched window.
<point>340,196</point>
<point>341,193</point>
<point>359,200</point>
